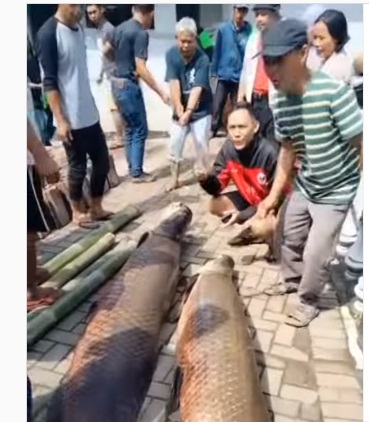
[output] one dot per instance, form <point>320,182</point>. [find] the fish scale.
<point>215,355</point>
<point>115,360</point>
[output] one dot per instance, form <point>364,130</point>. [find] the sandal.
<point>281,289</point>
<point>87,223</point>
<point>302,316</point>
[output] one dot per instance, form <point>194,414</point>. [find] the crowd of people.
<point>295,117</point>
<point>294,135</point>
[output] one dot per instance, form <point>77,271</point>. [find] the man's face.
<point>242,127</point>
<point>187,44</point>
<point>287,73</point>
<point>147,20</point>
<point>239,15</point>
<point>95,13</point>
<point>264,19</point>
<point>71,12</point>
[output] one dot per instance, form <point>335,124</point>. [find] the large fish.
<point>217,379</point>
<point>114,361</point>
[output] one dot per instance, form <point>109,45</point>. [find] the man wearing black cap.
<point>318,122</point>
<point>255,87</point>
<point>227,60</point>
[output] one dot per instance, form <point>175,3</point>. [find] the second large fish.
<point>217,367</point>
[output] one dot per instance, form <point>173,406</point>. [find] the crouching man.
<point>248,161</point>
<point>191,97</point>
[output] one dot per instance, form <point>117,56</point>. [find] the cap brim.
<point>275,51</point>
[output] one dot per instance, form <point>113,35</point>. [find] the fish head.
<point>175,220</point>
<point>223,264</point>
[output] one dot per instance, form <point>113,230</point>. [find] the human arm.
<point>201,82</point>
<point>348,117</point>
<point>219,178</point>
<point>172,77</point>
<point>48,56</point>
<point>45,165</point>
<point>141,55</point>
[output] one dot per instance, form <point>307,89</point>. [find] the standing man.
<point>96,14</point>
<point>191,96</point>
<point>255,86</point>
<point>227,60</point>
<point>62,54</point>
<point>318,121</point>
<point>129,43</point>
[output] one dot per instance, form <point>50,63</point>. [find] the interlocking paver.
<point>307,375</point>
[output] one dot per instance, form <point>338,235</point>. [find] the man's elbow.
<point>140,67</point>
<point>50,84</point>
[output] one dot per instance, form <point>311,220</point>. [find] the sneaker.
<point>144,178</point>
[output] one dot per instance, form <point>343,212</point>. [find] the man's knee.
<point>77,172</point>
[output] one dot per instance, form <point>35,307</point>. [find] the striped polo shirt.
<point>320,125</point>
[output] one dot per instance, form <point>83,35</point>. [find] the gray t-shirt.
<point>130,42</point>
<point>62,54</point>
<point>104,31</point>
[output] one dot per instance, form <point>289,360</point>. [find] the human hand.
<point>179,110</point>
<point>46,166</point>
<point>266,206</point>
<point>64,131</point>
<point>185,118</point>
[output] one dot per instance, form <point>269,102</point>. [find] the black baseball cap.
<point>241,6</point>
<point>271,7</point>
<point>283,37</point>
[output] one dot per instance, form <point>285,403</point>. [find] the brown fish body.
<point>114,361</point>
<point>220,381</point>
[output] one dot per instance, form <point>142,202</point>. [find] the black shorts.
<point>38,219</point>
<point>240,204</point>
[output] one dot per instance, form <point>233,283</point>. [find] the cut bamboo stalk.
<point>78,289</point>
<point>121,219</point>
<point>74,267</point>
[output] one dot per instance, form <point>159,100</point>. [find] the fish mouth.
<point>220,264</point>
<point>177,218</point>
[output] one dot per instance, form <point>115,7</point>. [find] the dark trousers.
<point>87,142</point>
<point>263,113</point>
<point>29,401</point>
<point>132,107</point>
<point>224,88</point>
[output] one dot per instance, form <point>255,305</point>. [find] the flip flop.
<point>281,289</point>
<point>302,316</point>
<point>87,223</point>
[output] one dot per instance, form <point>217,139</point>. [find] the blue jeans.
<point>132,108</point>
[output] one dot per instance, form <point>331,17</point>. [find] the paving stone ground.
<point>306,374</point>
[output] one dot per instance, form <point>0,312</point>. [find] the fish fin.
<point>143,238</point>
<point>174,398</point>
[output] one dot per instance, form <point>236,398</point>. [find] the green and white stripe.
<point>321,124</point>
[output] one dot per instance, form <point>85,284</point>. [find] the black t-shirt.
<point>190,75</point>
<point>130,42</point>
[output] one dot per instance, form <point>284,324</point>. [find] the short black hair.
<point>144,8</point>
<point>336,23</point>
<point>100,6</point>
<point>243,105</point>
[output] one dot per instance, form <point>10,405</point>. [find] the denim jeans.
<point>131,104</point>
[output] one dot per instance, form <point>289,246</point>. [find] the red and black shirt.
<point>251,169</point>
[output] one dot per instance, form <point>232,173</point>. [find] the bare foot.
<point>42,297</point>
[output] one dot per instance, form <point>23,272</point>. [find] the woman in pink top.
<point>330,35</point>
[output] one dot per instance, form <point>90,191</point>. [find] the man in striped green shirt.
<point>318,123</point>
